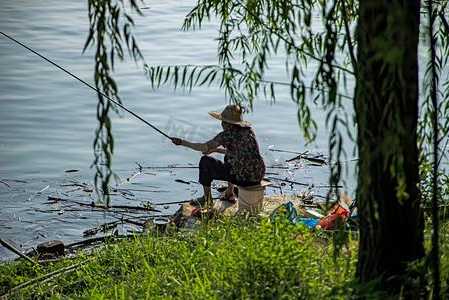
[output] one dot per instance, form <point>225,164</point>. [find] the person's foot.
<point>201,201</point>
<point>229,197</point>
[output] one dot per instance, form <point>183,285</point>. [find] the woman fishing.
<point>243,165</point>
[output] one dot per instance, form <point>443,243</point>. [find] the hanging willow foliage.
<point>110,31</point>
<point>434,120</point>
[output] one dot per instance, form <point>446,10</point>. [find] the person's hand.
<point>176,141</point>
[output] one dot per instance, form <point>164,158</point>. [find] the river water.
<point>47,119</point>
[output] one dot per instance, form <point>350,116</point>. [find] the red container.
<point>337,216</point>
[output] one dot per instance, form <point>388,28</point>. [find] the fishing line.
<point>87,84</point>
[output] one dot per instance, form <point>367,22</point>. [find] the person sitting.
<point>243,165</point>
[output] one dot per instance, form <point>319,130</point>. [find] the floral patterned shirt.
<point>242,153</point>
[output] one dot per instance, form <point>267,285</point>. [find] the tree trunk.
<point>386,105</point>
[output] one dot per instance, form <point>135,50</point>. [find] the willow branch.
<point>292,44</point>
<point>348,37</point>
<point>239,72</point>
<point>435,258</point>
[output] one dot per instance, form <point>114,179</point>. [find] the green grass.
<point>225,259</point>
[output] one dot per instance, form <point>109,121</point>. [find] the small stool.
<point>250,199</point>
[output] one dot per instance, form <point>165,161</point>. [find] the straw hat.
<point>231,114</point>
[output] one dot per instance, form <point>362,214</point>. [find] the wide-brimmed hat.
<point>231,114</point>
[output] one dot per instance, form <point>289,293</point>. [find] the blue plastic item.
<point>309,222</point>
<point>288,211</point>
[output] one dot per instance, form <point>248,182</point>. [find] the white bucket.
<point>250,199</point>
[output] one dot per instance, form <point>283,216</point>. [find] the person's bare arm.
<point>201,147</point>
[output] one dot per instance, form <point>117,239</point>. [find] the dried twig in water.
<point>93,205</point>
<point>171,167</point>
<point>61,211</point>
<point>139,190</point>
<point>196,167</point>
<point>175,202</point>
<point>301,155</point>
<point>16,180</point>
<point>74,183</point>
<point>284,151</point>
<point>130,221</point>
<point>178,202</point>
<point>182,181</point>
<point>288,181</point>
<point>43,190</point>
<point>303,184</point>
<point>315,160</point>
<point>271,173</point>
<point>133,176</point>
<point>124,192</point>
<point>5,183</point>
<point>103,228</point>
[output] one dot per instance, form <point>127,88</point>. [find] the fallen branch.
<point>137,190</point>
<point>130,221</point>
<point>134,175</point>
<point>16,251</point>
<point>179,202</point>
<point>61,211</point>
<point>171,167</point>
<point>284,151</point>
<point>44,278</point>
<point>16,180</point>
<point>289,181</point>
<point>182,181</point>
<point>311,159</point>
<point>110,225</point>
<point>304,184</point>
<point>196,167</point>
<point>93,205</point>
<point>103,227</point>
<point>301,155</point>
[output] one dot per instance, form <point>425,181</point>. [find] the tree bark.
<point>386,105</point>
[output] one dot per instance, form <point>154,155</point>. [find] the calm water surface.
<point>47,119</point>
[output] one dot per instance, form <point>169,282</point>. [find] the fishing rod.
<point>87,84</point>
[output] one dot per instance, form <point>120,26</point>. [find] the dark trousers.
<point>214,169</point>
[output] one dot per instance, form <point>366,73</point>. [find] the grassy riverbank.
<point>225,259</point>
